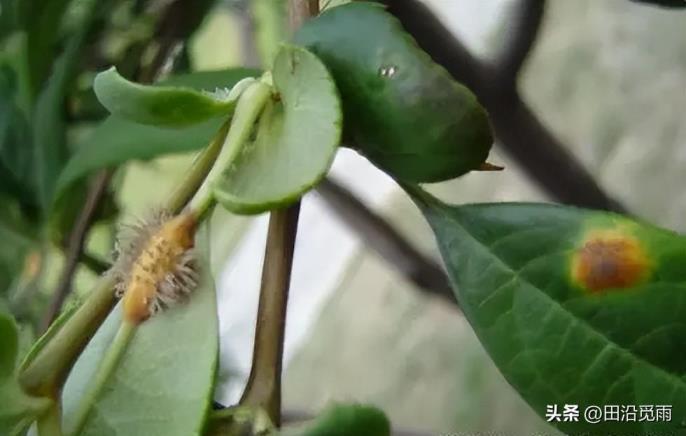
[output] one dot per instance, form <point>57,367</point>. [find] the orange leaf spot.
<point>609,259</point>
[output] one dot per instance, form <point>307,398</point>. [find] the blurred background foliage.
<point>605,77</point>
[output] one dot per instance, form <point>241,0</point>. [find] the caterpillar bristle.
<point>155,267</point>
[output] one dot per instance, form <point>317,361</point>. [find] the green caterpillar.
<point>401,110</point>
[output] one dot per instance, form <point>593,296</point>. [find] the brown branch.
<point>386,241</point>
<point>520,38</point>
<point>177,23</point>
<point>77,238</point>
<point>522,135</point>
<point>264,383</point>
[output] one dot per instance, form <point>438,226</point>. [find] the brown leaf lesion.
<point>609,259</point>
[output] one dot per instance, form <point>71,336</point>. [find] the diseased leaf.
<point>116,140</point>
<point>163,384</point>
<point>574,306</point>
<point>170,106</point>
<point>295,141</point>
<point>344,420</point>
<point>17,410</point>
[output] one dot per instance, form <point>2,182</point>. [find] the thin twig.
<point>529,142</point>
<point>264,384</point>
<point>178,21</point>
<point>77,238</point>
<point>380,236</point>
<point>263,389</point>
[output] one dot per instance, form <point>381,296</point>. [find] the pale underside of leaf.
<point>164,382</point>
<point>296,139</point>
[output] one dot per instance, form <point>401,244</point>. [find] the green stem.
<point>249,107</point>
<point>205,160</point>
<point>50,423</point>
<point>105,369</point>
<point>263,389</point>
<point>198,171</point>
<point>45,370</point>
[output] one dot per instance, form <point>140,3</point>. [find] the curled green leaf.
<point>115,140</point>
<point>295,140</point>
<point>168,106</point>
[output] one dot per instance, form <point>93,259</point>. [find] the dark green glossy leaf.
<point>16,178</point>
<point>295,142</point>
<point>50,151</point>
<point>116,141</point>
<point>402,110</point>
<point>163,384</point>
<point>17,236</point>
<point>8,17</point>
<point>17,410</point>
<point>344,420</point>
<point>574,306</point>
<point>41,20</point>
<point>170,106</point>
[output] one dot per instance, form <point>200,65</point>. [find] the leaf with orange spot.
<point>574,306</point>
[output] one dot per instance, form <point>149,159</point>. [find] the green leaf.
<point>50,151</point>
<point>402,110</point>
<point>169,106</point>
<point>8,17</point>
<point>16,178</point>
<point>574,306</point>
<point>42,20</point>
<point>116,141</point>
<point>344,420</point>
<point>17,236</point>
<point>164,382</point>
<point>18,410</point>
<point>295,141</point>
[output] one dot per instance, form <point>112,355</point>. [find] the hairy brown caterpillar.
<point>154,265</point>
